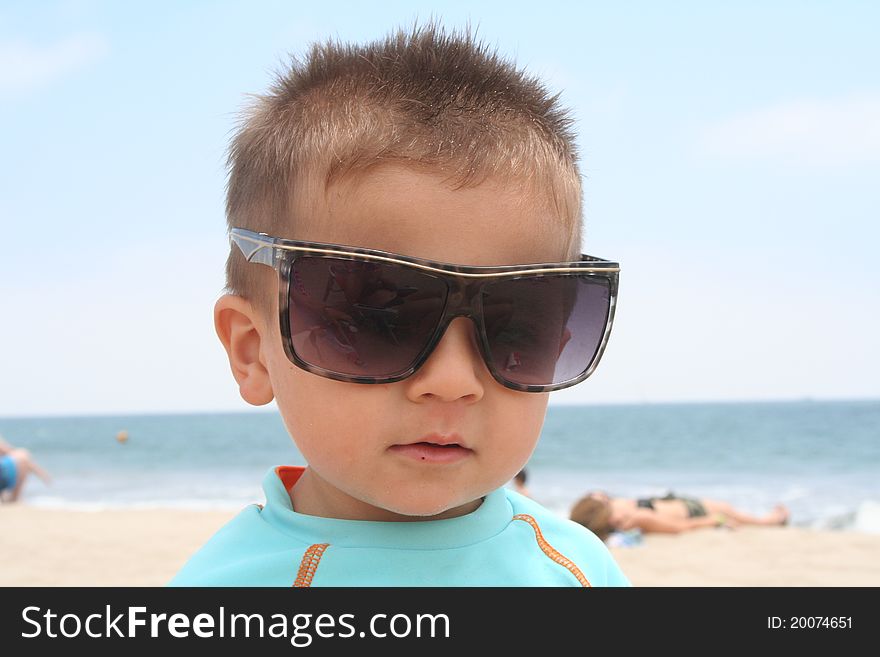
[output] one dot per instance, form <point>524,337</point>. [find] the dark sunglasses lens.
<point>362,318</point>
<point>545,330</point>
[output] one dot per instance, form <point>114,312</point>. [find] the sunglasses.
<point>366,316</point>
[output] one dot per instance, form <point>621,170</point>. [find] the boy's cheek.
<point>308,402</point>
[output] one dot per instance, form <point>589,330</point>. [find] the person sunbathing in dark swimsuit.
<point>694,507</point>
<point>670,514</point>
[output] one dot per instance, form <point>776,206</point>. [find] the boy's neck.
<point>313,496</point>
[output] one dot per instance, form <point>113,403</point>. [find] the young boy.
<point>405,281</point>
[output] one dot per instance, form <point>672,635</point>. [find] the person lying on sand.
<point>671,514</point>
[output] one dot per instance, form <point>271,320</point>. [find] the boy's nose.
<point>455,369</point>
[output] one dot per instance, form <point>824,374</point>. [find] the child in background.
<point>519,483</point>
<point>405,279</point>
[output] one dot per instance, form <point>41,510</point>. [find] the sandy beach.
<point>46,547</point>
<point>754,556</point>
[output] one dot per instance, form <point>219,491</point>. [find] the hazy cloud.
<point>25,66</point>
<point>816,132</point>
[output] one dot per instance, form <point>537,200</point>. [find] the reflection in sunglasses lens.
<point>369,319</point>
<point>545,330</point>
<point>362,318</point>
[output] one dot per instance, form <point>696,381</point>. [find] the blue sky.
<point>730,151</point>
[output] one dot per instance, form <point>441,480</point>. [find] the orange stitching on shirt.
<point>551,552</point>
<point>309,564</point>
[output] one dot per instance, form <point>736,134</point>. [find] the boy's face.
<point>362,442</point>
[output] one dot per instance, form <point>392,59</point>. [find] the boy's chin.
<point>419,510</point>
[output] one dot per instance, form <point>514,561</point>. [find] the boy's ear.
<point>242,335</point>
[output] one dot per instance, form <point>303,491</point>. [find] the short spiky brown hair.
<point>423,98</point>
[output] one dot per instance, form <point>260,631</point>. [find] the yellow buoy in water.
<point>122,436</point>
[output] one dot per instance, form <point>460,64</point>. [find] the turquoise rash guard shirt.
<point>509,540</point>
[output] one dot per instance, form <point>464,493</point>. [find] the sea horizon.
<point>552,404</point>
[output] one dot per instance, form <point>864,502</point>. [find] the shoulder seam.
<point>309,564</point>
<point>552,552</point>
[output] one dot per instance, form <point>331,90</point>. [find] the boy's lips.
<point>434,448</point>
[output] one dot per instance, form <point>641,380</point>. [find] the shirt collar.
<point>488,520</point>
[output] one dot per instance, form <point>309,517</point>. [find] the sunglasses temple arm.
<point>254,249</point>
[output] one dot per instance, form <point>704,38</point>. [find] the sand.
<point>754,556</point>
<point>46,547</point>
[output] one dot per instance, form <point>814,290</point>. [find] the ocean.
<point>822,459</point>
